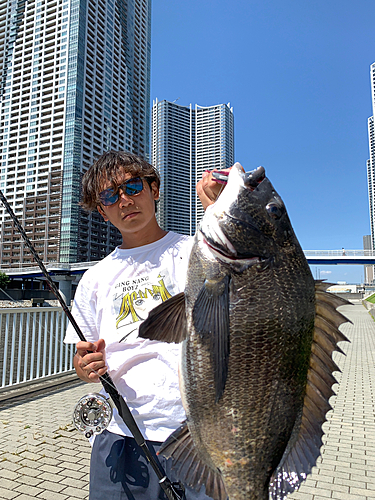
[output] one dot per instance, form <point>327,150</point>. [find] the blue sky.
<point>297,75</point>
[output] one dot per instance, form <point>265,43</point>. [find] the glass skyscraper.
<point>74,82</point>
<point>185,142</point>
<point>371,160</point>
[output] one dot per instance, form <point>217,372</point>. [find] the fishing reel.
<point>92,414</point>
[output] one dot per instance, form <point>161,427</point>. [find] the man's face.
<point>131,213</point>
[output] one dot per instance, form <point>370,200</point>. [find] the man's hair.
<point>109,167</point>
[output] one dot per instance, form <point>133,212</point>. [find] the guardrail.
<point>31,345</point>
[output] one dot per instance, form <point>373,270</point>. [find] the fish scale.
<point>256,363</point>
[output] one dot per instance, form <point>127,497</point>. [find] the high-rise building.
<point>173,154</point>
<point>74,82</point>
<point>214,142</point>
<point>186,141</point>
<point>371,160</point>
<point>368,269</point>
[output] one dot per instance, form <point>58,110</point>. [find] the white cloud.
<point>325,272</point>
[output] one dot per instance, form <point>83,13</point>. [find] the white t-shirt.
<point>112,299</point>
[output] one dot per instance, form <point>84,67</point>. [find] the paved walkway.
<point>346,468</point>
<point>42,456</point>
<point>41,453</point>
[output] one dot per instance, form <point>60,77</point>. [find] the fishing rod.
<point>91,410</point>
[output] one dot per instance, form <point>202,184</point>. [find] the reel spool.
<point>92,414</point>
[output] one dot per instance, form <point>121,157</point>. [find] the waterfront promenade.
<point>42,456</point>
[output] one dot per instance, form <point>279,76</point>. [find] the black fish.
<point>258,335</point>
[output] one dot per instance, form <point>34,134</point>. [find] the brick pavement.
<point>43,457</point>
<point>41,453</point>
<point>346,468</point>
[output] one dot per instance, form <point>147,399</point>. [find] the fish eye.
<point>274,210</point>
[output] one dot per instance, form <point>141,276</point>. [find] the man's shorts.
<point>119,470</point>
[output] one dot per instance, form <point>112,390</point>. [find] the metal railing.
<point>338,253</point>
<point>73,268</point>
<point>50,266</point>
<point>31,345</point>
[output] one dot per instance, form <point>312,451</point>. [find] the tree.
<point>4,280</point>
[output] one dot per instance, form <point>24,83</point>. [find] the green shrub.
<point>4,280</point>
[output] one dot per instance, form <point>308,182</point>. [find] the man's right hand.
<point>89,360</point>
<point>209,188</point>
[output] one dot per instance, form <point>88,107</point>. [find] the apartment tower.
<point>371,160</point>
<point>186,141</point>
<point>74,82</point>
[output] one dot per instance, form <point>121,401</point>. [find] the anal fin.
<point>189,466</point>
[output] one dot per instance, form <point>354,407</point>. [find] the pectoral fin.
<point>211,322</point>
<point>306,439</point>
<point>166,322</point>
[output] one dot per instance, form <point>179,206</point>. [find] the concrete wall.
<point>350,296</point>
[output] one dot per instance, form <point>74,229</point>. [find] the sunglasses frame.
<point>124,187</point>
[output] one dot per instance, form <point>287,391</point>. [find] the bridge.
<point>345,257</point>
<point>314,257</point>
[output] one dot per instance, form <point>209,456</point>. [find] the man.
<point>112,298</point>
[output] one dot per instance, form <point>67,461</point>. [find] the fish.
<point>257,334</point>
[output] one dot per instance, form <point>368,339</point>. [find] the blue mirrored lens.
<point>108,197</point>
<point>130,187</point>
<point>133,186</point>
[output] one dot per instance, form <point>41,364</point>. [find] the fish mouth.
<point>221,214</point>
<point>249,261</point>
<point>220,245</point>
<point>227,253</point>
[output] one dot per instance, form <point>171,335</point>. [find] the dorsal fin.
<point>306,439</point>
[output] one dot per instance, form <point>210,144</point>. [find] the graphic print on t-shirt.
<point>135,298</point>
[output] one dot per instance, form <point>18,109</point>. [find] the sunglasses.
<point>132,187</point>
